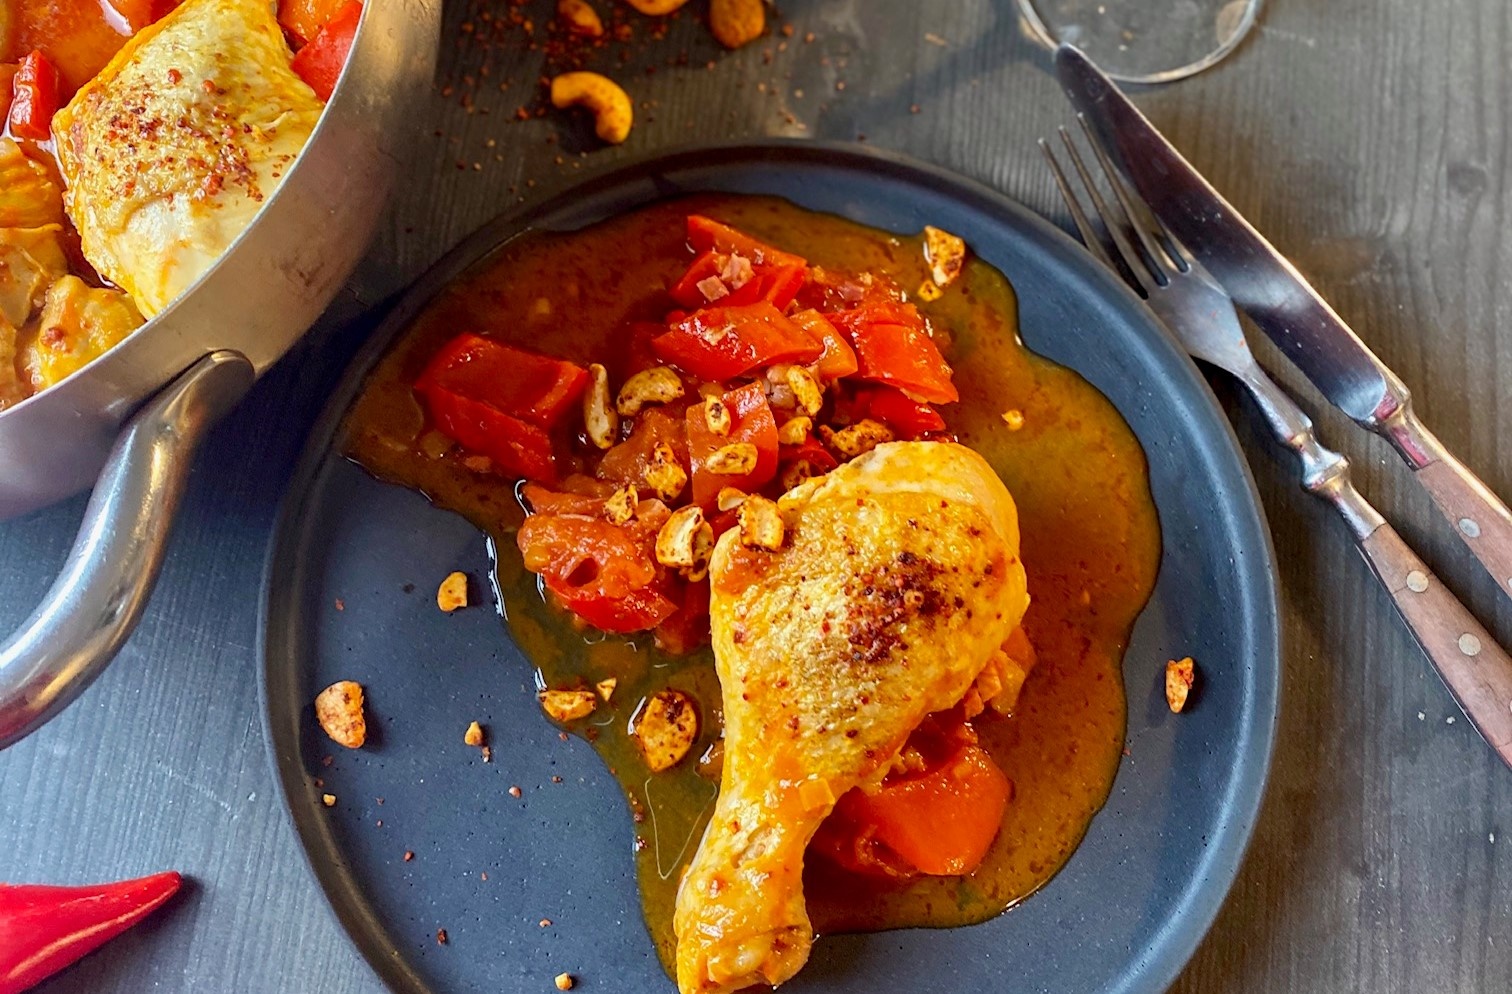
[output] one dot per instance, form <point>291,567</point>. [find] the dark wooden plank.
<point>1368,138</point>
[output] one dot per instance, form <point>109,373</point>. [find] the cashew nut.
<point>580,17</point>
<point>665,474</point>
<point>853,440</point>
<point>760,523</point>
<point>666,728</point>
<point>794,431</point>
<point>657,385</point>
<point>806,389</point>
<point>945,253</point>
<point>656,8</point>
<point>621,505</point>
<point>736,22</point>
<point>717,416</point>
<point>612,110</point>
<point>735,459</point>
<point>729,498</point>
<point>568,705</point>
<point>685,541</point>
<point>599,416</point>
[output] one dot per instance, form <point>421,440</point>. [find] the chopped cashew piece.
<point>329,800</point>
<point>929,290</point>
<point>729,498</point>
<point>338,708</point>
<point>795,431</point>
<point>657,385</point>
<point>452,594</point>
<point>760,523</point>
<point>613,113</point>
<point>568,705</point>
<point>606,687</point>
<point>1014,419</point>
<point>599,416</point>
<point>854,440</point>
<point>621,505</point>
<point>717,416</point>
<point>564,981</point>
<point>665,474</point>
<point>736,22</point>
<point>665,728</point>
<point>735,459</point>
<point>474,734</point>
<point>685,542</point>
<point>580,18</point>
<point>1180,675</point>
<point>945,253</point>
<point>806,389</point>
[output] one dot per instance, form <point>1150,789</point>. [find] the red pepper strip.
<point>750,421</point>
<point>907,358</point>
<point>534,388</point>
<point>44,929</point>
<point>685,291</point>
<point>705,234</point>
<point>721,343</point>
<point>34,98</point>
<point>909,419</point>
<point>839,359</point>
<point>516,447</point>
<point>320,62</point>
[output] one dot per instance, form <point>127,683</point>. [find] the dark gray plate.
<point>1124,914</point>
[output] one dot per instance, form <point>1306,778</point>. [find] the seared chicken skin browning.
<point>898,581</point>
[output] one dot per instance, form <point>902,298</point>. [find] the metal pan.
<point>131,421</point>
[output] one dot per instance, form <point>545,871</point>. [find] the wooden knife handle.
<point>1477,515</point>
<point>1477,671</point>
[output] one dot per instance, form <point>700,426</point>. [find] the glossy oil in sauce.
<point>1090,540</point>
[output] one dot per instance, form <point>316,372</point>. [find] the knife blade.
<point>1281,303</point>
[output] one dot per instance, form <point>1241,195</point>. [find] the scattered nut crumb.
<point>568,705</point>
<point>564,981</point>
<point>545,922</point>
<point>487,754</point>
<point>1014,419</point>
<point>474,734</point>
<point>515,792</point>
<point>606,687</point>
<point>556,779</point>
<point>452,594</point>
<point>665,728</point>
<point>340,604</point>
<point>409,854</point>
<point>329,800</point>
<point>440,936</point>
<point>1180,675</point>
<point>338,708</point>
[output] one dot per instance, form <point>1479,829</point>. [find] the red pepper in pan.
<point>43,929</point>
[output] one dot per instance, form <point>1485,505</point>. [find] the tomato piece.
<point>706,234</point>
<point>626,463</point>
<point>893,347</point>
<point>719,343</point>
<point>685,291</point>
<point>303,19</point>
<point>908,418</point>
<point>525,385</point>
<point>775,284</point>
<point>838,359</point>
<point>320,62</point>
<point>601,572</point>
<point>943,821</point>
<point>516,447</point>
<point>750,421</point>
<point>544,501</point>
<point>34,97</point>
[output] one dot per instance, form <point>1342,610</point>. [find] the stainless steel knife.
<point>1281,302</point>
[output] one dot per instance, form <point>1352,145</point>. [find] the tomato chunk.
<point>775,284</point>
<point>320,62</point>
<point>893,347</point>
<point>34,97</point>
<point>907,418</point>
<point>750,421</point>
<point>838,359</point>
<point>706,234</point>
<point>525,385</point>
<point>718,343</point>
<point>602,572</point>
<point>303,19</point>
<point>685,291</point>
<point>941,822</point>
<point>516,447</point>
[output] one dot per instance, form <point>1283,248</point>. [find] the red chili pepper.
<point>43,929</point>
<point>34,98</point>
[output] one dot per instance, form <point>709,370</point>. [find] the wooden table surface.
<point>1369,138</point>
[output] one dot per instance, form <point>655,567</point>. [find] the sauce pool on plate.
<point>1089,531</point>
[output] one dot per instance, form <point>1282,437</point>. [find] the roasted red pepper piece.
<point>839,359</point>
<point>720,343</point>
<point>775,284</point>
<point>43,929</point>
<point>750,421</point>
<point>525,385</point>
<point>893,347</point>
<point>516,447</point>
<point>706,234</point>
<point>685,291</point>
<point>602,572</point>
<point>907,418</point>
<point>34,98</point>
<point>320,62</point>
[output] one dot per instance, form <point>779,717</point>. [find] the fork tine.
<point>1160,248</point>
<point>1139,267</point>
<point>1084,226</point>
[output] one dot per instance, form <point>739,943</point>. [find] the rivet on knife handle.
<point>1477,671</point>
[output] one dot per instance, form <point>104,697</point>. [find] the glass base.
<point>1144,41</point>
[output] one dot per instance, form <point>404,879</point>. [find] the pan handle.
<point>98,597</point>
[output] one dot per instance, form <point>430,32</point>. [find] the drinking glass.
<point>1144,41</point>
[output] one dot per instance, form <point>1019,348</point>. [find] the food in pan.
<point>847,634</point>
<point>142,137</point>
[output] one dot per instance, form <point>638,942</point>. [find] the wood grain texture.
<point>1368,138</point>
<point>1478,516</point>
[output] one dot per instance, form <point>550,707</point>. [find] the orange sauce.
<point>1090,540</point>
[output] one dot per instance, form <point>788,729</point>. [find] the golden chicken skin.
<point>898,582</point>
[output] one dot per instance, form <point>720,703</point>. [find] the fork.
<point>1194,308</point>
